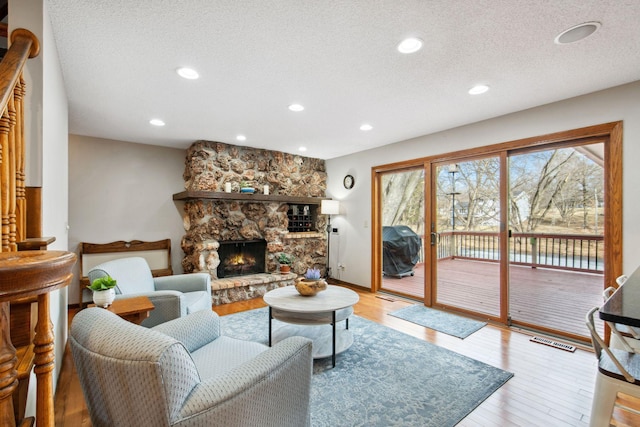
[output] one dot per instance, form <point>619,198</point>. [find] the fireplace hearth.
<point>241,257</point>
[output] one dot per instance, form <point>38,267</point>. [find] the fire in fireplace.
<point>241,257</point>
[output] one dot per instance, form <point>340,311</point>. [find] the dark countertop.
<point>624,305</point>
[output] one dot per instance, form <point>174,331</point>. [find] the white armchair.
<point>173,296</point>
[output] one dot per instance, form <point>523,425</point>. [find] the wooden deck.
<point>553,299</point>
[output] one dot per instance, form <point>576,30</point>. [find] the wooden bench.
<point>157,254</point>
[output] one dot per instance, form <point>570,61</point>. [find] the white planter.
<point>104,298</point>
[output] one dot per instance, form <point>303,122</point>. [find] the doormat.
<point>438,320</point>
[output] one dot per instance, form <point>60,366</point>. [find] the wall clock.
<point>348,182</point>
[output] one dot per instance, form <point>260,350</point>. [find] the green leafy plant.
<point>312,274</point>
<point>102,283</point>
<point>285,259</point>
<point>245,184</point>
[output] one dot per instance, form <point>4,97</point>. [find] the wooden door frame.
<point>609,133</point>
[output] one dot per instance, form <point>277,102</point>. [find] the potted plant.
<point>285,261</point>
<point>103,291</point>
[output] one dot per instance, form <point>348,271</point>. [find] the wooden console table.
<point>135,309</point>
<point>26,274</point>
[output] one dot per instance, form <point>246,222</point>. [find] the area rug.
<point>438,320</point>
<point>386,378</point>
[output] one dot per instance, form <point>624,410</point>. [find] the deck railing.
<point>577,252</point>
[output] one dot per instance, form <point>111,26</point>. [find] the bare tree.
<point>566,204</point>
<point>403,199</point>
<point>585,182</point>
<point>588,178</point>
<point>542,176</point>
<point>481,192</point>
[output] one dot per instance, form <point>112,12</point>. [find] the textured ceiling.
<point>336,57</point>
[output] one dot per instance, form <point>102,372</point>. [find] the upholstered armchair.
<point>173,296</point>
<point>184,373</point>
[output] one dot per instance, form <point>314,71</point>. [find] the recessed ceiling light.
<point>366,127</point>
<point>577,33</point>
<point>410,45</point>
<point>241,138</point>
<point>156,122</point>
<point>187,73</point>
<point>478,89</point>
<point>296,107</point>
<point>302,149</point>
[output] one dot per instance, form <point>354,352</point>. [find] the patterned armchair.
<point>173,296</point>
<point>184,373</point>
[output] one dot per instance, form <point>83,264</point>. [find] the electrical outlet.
<point>341,266</point>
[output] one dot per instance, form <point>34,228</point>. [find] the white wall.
<point>55,174</point>
<point>123,191</point>
<point>352,247</point>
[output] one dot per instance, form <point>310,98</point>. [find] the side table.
<point>134,309</point>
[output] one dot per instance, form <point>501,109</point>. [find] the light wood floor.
<point>550,387</point>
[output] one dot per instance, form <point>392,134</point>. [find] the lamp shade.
<point>329,207</point>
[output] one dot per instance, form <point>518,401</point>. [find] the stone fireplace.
<point>214,217</point>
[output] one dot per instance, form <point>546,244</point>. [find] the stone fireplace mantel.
<point>218,195</point>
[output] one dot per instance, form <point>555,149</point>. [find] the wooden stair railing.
<point>24,45</point>
<point>25,277</point>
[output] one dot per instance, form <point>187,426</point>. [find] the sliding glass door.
<point>557,254</point>
<point>402,232</point>
<point>466,240</point>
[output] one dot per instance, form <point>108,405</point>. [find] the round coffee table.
<point>311,316</point>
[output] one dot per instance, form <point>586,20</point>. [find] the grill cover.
<point>400,250</point>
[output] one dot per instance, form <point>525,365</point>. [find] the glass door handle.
<point>435,237</point>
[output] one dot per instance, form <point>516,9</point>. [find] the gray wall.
<point>123,191</point>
